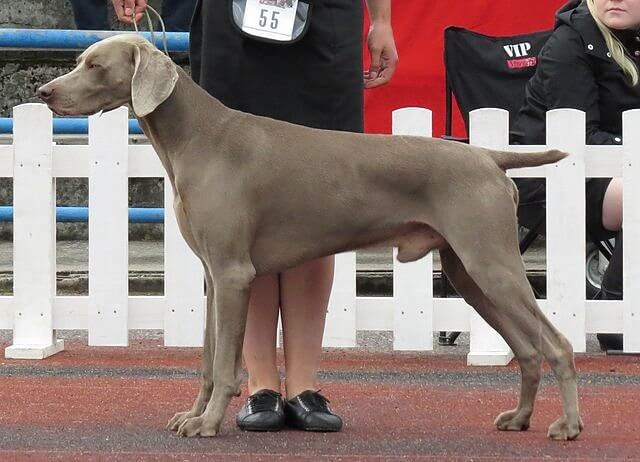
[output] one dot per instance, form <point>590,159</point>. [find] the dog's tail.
<point>506,160</point>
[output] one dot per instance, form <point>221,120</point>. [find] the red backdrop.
<point>419,30</point>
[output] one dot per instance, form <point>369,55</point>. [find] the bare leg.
<point>260,335</point>
<point>612,206</point>
<point>305,294</point>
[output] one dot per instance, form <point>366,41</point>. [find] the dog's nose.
<point>45,93</point>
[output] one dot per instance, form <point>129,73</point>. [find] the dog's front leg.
<point>206,381</point>
<point>232,289</point>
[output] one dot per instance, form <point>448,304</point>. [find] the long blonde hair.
<point>617,50</point>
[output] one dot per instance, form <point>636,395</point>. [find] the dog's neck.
<point>172,126</point>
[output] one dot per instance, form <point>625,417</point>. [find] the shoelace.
<point>315,402</point>
<point>264,401</point>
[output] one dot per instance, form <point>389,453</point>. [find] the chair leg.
<point>446,338</point>
<point>605,248</point>
<point>528,239</point>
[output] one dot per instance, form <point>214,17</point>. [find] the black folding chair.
<point>483,71</point>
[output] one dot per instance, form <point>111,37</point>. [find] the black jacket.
<point>316,81</point>
<point>575,71</point>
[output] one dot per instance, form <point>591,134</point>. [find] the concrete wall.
<point>45,14</point>
<point>22,72</point>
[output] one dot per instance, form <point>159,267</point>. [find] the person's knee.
<point>611,221</point>
<point>612,206</point>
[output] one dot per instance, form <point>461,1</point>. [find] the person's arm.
<point>382,48</point>
<point>124,9</point>
<point>570,82</point>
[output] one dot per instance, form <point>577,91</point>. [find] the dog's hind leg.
<point>495,268</point>
<point>525,345</point>
<point>486,264</point>
<point>559,353</point>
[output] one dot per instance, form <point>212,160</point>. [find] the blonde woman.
<point>589,63</point>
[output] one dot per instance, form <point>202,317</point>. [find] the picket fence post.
<point>488,128</point>
<point>566,241</point>
<point>183,283</point>
<point>34,231</point>
<point>108,316</point>
<point>412,282</point>
<point>631,220</point>
<point>340,330</point>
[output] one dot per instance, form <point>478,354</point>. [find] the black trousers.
<point>94,14</point>
<point>612,278</point>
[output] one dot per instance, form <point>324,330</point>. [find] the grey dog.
<point>255,196</point>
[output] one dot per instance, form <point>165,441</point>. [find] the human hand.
<point>125,8</point>
<point>384,56</point>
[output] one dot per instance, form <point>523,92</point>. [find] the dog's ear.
<point>154,78</point>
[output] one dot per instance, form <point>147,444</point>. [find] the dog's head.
<point>125,69</point>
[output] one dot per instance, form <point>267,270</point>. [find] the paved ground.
<point>111,404</point>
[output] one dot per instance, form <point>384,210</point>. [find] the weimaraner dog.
<point>255,195</point>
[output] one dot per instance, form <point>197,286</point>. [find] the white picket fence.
<point>34,312</point>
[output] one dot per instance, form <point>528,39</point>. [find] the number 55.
<point>264,18</point>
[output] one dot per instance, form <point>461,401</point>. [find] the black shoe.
<point>610,342</point>
<point>263,412</point>
<point>310,411</point>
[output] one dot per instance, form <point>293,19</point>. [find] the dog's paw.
<point>196,426</point>
<point>562,430</point>
<point>513,420</point>
<point>177,420</point>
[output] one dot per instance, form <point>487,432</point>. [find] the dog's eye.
<point>93,65</point>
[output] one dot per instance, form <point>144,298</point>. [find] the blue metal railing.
<point>81,215</point>
<point>68,126</point>
<point>69,39</point>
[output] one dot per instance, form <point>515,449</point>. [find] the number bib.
<point>275,21</point>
